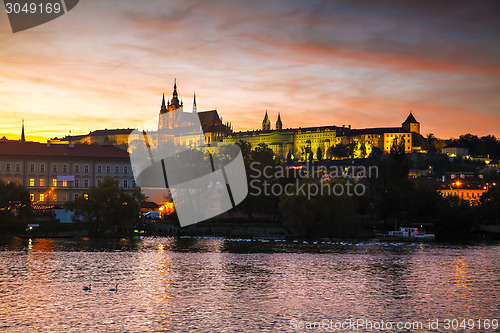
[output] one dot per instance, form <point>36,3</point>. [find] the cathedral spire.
<point>195,109</point>
<point>163,106</point>
<point>266,123</point>
<point>23,139</point>
<point>279,124</point>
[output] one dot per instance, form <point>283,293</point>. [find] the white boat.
<point>408,234</point>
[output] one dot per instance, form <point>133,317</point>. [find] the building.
<point>301,141</point>
<point>55,173</point>
<point>455,151</point>
<point>106,136</point>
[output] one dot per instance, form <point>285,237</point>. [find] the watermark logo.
<point>27,14</point>
<point>204,180</point>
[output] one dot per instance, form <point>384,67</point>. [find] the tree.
<point>398,147</point>
<point>319,154</point>
<point>14,202</point>
<point>289,159</point>
<point>342,151</point>
<point>108,207</point>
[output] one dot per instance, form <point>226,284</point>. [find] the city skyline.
<point>359,64</point>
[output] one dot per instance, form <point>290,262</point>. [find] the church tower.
<point>174,103</point>
<point>279,125</point>
<point>266,123</point>
<point>195,109</point>
<point>23,139</point>
<point>411,124</point>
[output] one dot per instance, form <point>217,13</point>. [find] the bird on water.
<point>89,287</point>
<point>115,288</point>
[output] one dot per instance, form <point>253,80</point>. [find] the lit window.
<point>54,197</point>
<point>32,181</point>
<point>65,183</point>
<point>42,197</point>
<point>86,196</point>
<point>42,182</point>
<point>7,181</point>
<point>18,181</point>
<point>32,197</point>
<point>54,182</point>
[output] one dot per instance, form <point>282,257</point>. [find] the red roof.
<point>19,148</point>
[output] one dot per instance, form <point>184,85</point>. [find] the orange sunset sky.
<point>105,64</point>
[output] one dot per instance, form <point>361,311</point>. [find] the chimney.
<point>48,143</point>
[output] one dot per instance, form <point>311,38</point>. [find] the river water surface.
<point>217,285</point>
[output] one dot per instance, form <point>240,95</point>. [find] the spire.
<point>23,139</point>
<point>195,109</point>
<point>163,106</point>
<point>279,124</point>
<point>266,123</point>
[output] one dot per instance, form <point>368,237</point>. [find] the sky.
<point>105,64</point>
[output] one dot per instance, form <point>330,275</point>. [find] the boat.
<point>408,234</point>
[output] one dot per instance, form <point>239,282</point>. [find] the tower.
<point>266,123</point>
<point>411,124</point>
<point>174,102</point>
<point>279,125</point>
<point>23,139</point>
<point>195,109</point>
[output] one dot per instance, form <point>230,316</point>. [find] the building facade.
<point>300,141</point>
<point>55,173</point>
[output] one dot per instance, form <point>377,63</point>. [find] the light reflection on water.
<point>168,284</point>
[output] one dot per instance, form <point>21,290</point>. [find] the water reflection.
<point>182,284</point>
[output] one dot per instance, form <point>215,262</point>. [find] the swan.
<point>115,288</point>
<point>88,288</point>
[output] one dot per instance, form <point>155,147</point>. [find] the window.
<point>77,182</point>
<point>7,167</point>
<point>32,167</point>
<point>32,181</point>
<point>42,197</point>
<point>77,168</point>
<point>54,197</point>
<point>7,181</point>
<point>65,197</point>
<point>42,181</point>
<point>125,169</point>
<point>86,183</point>
<point>86,196</point>
<point>18,167</point>
<point>65,183</point>
<point>108,169</point>
<point>32,197</point>
<point>117,169</point>
<point>65,168</point>
<point>76,197</point>
<point>99,181</point>
<point>125,183</point>
<point>133,183</point>
<point>54,182</point>
<point>86,168</point>
<point>54,167</point>
<point>99,169</point>
<point>18,181</point>
<point>42,167</point>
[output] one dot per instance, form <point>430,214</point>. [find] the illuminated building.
<point>55,173</point>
